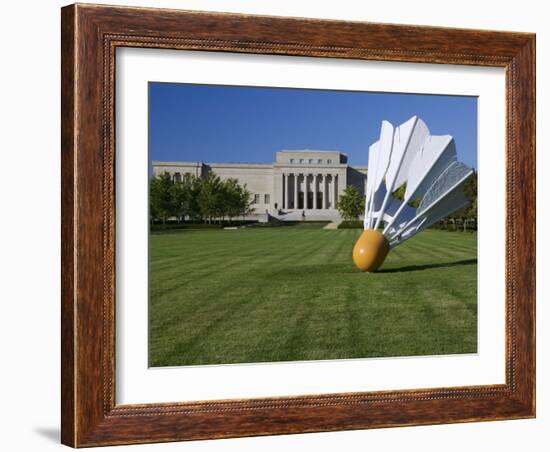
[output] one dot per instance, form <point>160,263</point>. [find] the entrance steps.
<point>308,215</point>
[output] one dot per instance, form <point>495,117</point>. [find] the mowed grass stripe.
<point>180,272</point>
<point>431,248</point>
<point>292,293</point>
<point>455,241</point>
<point>227,279</point>
<point>201,322</point>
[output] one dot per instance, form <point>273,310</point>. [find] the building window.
<point>256,199</point>
<point>266,198</point>
<point>291,160</point>
<point>310,161</point>
<point>301,160</point>
<point>320,161</point>
<point>329,161</point>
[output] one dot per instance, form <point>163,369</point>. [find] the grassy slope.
<point>284,294</point>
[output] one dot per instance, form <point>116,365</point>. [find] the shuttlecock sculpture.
<point>407,158</point>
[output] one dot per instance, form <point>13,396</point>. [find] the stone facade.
<point>299,185</point>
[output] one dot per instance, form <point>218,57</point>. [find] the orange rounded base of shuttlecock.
<point>370,250</point>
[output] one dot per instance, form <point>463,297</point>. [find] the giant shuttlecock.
<point>407,158</point>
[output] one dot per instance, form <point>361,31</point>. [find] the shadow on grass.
<point>414,268</point>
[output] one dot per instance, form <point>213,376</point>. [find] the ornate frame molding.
<point>90,36</point>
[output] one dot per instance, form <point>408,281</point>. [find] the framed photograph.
<point>282,225</point>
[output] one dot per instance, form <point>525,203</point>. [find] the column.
<point>325,191</point>
<point>296,187</point>
<point>315,205</point>
<point>282,205</point>
<point>335,191</point>
<point>304,206</point>
<point>329,191</point>
<point>308,188</point>
<point>285,191</point>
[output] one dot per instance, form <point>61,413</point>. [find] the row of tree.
<point>352,204</point>
<point>197,199</point>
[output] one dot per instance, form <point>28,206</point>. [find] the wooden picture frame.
<point>90,36</point>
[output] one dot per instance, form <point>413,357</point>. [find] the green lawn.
<point>293,293</point>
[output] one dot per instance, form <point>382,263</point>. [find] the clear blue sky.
<point>212,123</point>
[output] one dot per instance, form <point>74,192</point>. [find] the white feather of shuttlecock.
<point>427,164</point>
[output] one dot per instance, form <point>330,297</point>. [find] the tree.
<point>160,198</point>
<point>245,201</point>
<point>351,204</point>
<point>180,194</point>
<point>210,198</point>
<point>470,210</point>
<point>197,198</point>
<point>471,194</point>
<point>193,208</point>
<point>232,194</point>
<point>399,194</point>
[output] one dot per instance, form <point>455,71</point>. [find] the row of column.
<point>328,183</point>
<point>178,177</point>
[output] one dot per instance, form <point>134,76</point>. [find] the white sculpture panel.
<point>434,182</point>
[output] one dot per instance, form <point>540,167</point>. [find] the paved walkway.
<point>332,225</point>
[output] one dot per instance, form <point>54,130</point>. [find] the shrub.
<point>354,224</point>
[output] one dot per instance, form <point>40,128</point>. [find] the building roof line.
<point>334,151</point>
<point>161,163</point>
<point>262,165</point>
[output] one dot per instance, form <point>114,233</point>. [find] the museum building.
<point>299,185</point>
